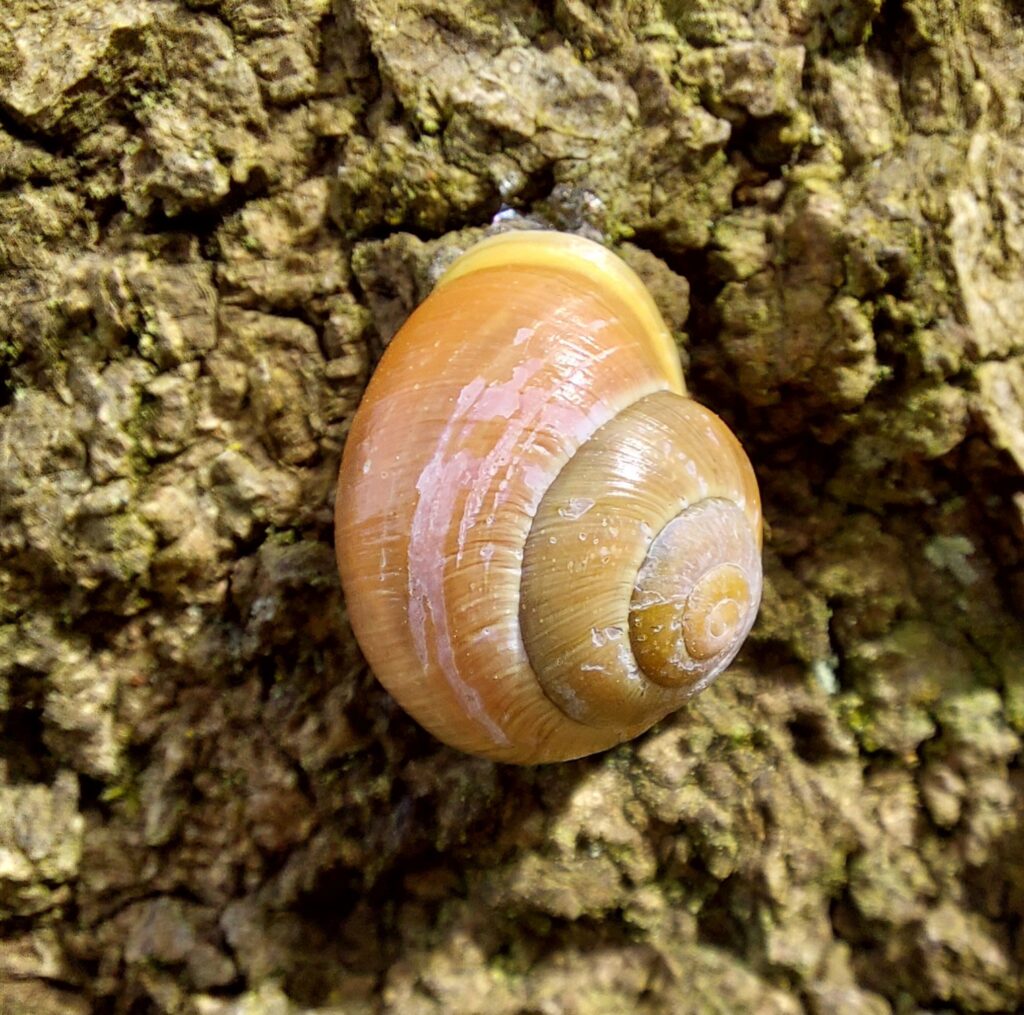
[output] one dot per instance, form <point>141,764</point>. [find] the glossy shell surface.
<point>528,347</point>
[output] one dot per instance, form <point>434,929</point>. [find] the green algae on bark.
<point>216,213</point>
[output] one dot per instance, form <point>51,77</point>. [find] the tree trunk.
<point>214,214</point>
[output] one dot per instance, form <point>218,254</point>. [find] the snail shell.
<point>545,546</point>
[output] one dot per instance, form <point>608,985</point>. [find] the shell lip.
<point>601,267</point>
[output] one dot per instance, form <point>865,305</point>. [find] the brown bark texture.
<point>213,215</point>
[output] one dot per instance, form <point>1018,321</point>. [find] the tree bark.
<point>214,215</point>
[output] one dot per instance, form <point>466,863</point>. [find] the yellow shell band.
<point>568,252</point>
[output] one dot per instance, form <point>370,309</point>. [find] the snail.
<point>545,546</point>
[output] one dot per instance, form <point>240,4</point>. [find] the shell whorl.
<point>647,527</point>
<point>533,404</point>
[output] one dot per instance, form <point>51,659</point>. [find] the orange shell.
<point>528,345</point>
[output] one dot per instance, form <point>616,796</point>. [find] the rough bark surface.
<point>212,214</point>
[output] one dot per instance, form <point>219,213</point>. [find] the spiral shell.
<point>545,546</point>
